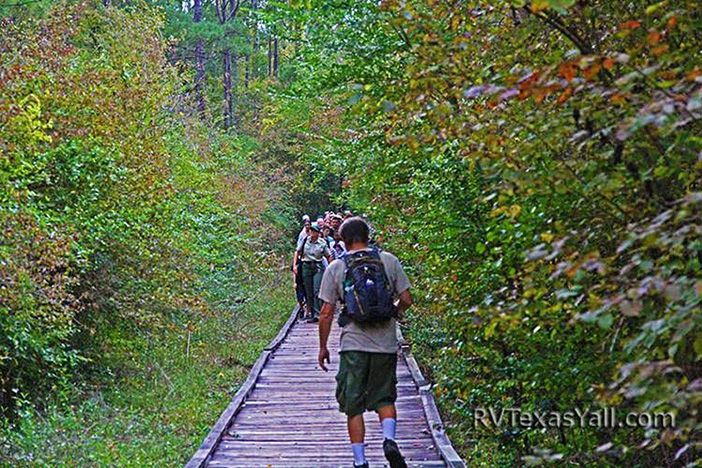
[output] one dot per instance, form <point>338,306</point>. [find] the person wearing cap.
<point>306,223</point>
<point>312,251</point>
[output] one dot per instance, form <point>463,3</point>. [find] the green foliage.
<point>534,163</point>
<point>120,213</point>
<point>160,409</point>
<point>537,165</point>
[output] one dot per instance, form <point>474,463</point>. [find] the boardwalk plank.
<point>286,414</point>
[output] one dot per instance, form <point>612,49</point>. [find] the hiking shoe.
<point>365,465</point>
<point>393,455</point>
<point>313,320</point>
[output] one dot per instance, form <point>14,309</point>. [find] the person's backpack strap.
<point>301,250</point>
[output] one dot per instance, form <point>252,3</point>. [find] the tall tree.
<point>226,12</point>
<point>199,61</point>
<point>270,55</point>
<point>249,72</point>
<point>275,56</point>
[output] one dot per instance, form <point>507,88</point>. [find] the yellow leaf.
<point>538,5</point>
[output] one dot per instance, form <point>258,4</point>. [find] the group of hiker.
<point>337,264</point>
<point>318,243</point>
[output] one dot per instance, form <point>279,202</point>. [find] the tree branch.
<point>557,24</point>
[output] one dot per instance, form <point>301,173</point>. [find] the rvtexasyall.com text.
<point>603,417</point>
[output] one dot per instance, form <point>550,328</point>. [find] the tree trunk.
<point>227,85</point>
<point>199,62</point>
<point>247,70</point>
<point>270,56</point>
<point>275,57</point>
<point>250,58</point>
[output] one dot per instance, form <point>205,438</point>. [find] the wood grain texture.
<point>286,415</point>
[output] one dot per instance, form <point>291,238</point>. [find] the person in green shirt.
<point>311,251</point>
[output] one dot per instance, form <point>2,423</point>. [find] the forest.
<point>536,165</point>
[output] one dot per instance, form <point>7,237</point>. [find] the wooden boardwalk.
<point>286,415</point>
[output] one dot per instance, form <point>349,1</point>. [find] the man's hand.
<point>326,316</point>
<point>324,356</point>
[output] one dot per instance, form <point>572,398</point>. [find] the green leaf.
<point>605,320</point>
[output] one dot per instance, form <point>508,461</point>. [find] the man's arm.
<point>326,317</point>
<point>404,302</point>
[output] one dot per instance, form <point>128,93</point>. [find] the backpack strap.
<point>301,250</point>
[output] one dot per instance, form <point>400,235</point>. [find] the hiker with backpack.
<point>308,262</point>
<point>374,291</point>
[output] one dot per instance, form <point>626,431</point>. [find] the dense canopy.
<point>535,164</point>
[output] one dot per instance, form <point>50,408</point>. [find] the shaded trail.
<point>286,415</point>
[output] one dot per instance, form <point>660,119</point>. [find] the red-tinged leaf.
<point>565,95</point>
<point>693,75</point>
<point>540,94</point>
<point>608,63</point>
<point>591,72</point>
<point>528,81</point>
<point>618,98</point>
<point>629,25</point>
<point>660,50</point>
<point>653,37</point>
<point>568,71</point>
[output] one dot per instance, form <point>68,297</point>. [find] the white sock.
<point>389,427</point>
<point>359,453</point>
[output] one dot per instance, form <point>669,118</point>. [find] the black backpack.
<point>367,291</point>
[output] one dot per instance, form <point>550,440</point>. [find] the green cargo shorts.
<point>366,381</point>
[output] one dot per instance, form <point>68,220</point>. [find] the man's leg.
<point>357,429</point>
<point>316,283</point>
<point>382,393</point>
<point>308,284</point>
<point>388,411</point>
<point>350,393</point>
<point>357,432</point>
<point>388,420</point>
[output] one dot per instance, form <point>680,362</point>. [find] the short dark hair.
<point>355,230</point>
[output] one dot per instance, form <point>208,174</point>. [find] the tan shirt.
<point>373,338</point>
<point>314,251</point>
